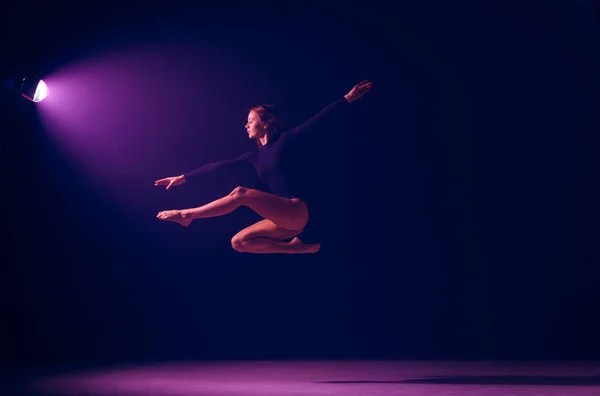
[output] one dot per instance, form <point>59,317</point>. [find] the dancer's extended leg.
<point>290,214</point>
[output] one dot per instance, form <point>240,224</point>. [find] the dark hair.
<point>269,115</point>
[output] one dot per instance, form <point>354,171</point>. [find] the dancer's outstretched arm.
<point>244,159</point>
<point>334,108</point>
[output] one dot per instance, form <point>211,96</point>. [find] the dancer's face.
<point>255,128</point>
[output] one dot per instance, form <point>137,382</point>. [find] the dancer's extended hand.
<point>170,181</point>
<point>359,90</point>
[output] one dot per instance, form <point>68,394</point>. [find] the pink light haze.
<point>347,378</point>
<point>124,118</point>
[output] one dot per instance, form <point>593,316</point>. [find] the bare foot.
<point>174,216</point>
<point>183,222</point>
<point>301,247</point>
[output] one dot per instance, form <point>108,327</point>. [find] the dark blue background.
<point>458,193</point>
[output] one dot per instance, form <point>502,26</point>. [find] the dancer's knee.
<point>254,245</point>
<point>240,193</point>
<point>237,244</point>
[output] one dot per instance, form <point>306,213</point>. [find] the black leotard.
<point>272,162</point>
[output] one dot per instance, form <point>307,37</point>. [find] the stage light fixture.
<point>34,89</point>
<point>29,86</point>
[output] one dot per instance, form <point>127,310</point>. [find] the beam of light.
<point>41,92</point>
<point>126,119</point>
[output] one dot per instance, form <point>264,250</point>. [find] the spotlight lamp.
<point>29,86</point>
<point>33,88</point>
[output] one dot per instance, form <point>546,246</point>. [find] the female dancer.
<point>285,214</point>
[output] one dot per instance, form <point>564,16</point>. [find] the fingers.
<point>366,85</point>
<point>362,87</point>
<point>169,182</point>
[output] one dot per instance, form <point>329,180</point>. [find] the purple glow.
<point>124,118</point>
<point>346,378</point>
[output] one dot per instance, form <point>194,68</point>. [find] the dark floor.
<point>346,378</point>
